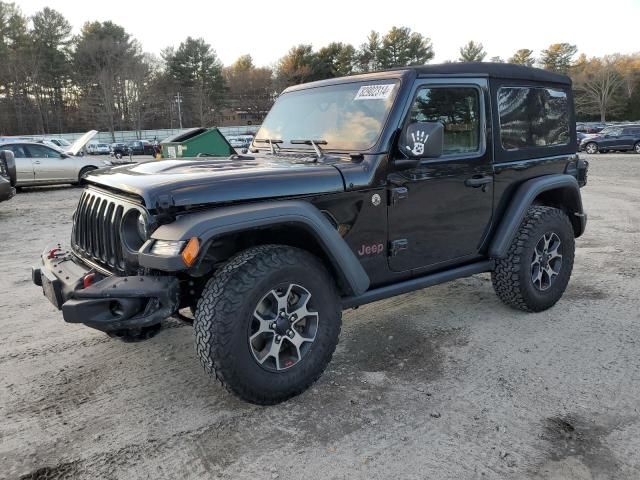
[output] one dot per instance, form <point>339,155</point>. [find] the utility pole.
<point>178,98</point>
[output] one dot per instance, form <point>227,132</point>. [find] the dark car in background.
<point>580,136</point>
<point>119,150</point>
<point>141,147</point>
<point>136,147</point>
<point>620,138</point>
<point>590,127</point>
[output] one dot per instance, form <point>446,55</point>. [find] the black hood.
<point>202,181</point>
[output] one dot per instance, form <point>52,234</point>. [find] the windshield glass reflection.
<point>347,116</point>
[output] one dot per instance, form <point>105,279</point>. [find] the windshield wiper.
<point>271,141</point>
<point>313,143</point>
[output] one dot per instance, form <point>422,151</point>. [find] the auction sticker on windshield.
<point>374,92</point>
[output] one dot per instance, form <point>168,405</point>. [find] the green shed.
<point>196,141</point>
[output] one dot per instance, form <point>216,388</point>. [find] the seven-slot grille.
<point>96,231</point>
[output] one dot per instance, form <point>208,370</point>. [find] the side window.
<point>533,117</point>
<point>458,109</point>
<point>18,150</point>
<point>40,151</point>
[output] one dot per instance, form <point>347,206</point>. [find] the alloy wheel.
<point>283,327</point>
<point>546,261</point>
<point>591,148</point>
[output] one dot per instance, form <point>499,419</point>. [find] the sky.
<point>267,29</point>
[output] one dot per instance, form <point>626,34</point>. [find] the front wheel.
<point>82,173</point>
<point>591,148</point>
<point>267,323</point>
<point>636,147</point>
<point>535,273</point>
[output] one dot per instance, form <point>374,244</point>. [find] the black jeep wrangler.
<point>7,175</point>
<point>355,189</point>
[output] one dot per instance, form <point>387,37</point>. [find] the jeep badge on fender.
<point>354,190</point>
<point>374,249</point>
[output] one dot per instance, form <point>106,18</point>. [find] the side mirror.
<point>6,157</point>
<point>420,140</point>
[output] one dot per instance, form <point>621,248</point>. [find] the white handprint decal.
<point>419,139</point>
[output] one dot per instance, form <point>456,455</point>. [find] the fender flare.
<point>524,198</point>
<point>208,225</point>
<point>7,157</point>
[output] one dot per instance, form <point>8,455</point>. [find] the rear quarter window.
<point>533,117</point>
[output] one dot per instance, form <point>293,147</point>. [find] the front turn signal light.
<point>190,252</point>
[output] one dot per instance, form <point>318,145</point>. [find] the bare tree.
<point>629,68</point>
<point>598,87</point>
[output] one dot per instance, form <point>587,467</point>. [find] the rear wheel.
<point>591,148</point>
<point>537,268</point>
<point>268,323</point>
<point>636,147</point>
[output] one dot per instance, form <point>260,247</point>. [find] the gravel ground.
<point>441,383</point>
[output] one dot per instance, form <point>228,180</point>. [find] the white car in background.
<point>56,142</point>
<point>240,141</point>
<point>40,164</point>
<point>98,149</point>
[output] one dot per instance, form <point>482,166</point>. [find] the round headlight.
<point>135,229</point>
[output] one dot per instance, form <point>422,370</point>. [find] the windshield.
<point>347,116</point>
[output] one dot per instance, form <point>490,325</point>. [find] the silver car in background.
<point>41,164</point>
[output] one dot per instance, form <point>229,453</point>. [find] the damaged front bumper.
<point>107,303</point>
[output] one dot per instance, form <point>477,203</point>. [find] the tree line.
<point>52,81</point>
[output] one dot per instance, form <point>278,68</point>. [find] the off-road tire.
<point>512,279</point>
<point>225,310</point>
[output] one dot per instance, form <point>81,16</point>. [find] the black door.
<point>440,211</point>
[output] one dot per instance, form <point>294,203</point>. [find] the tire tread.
<point>507,277</point>
<point>216,318</point>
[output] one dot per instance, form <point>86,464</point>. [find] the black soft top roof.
<point>508,71</point>
<point>495,70</point>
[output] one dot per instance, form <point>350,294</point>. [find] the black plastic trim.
<point>215,222</point>
<point>522,200</point>
<point>141,300</point>
<point>417,284</point>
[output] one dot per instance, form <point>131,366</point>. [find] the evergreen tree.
<point>472,52</point>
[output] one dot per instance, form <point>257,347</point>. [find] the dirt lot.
<point>442,383</point>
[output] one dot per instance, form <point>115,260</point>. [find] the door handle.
<point>37,162</point>
<point>475,182</point>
